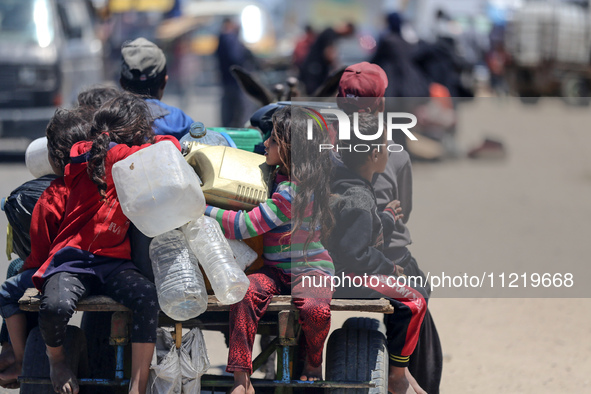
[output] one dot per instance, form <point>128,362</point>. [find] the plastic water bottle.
<point>243,253</point>
<point>36,158</point>
<point>198,133</point>
<point>228,281</point>
<point>179,282</point>
<point>158,190</point>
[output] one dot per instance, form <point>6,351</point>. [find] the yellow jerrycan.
<point>230,178</point>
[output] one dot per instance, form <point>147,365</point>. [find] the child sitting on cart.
<point>292,222</point>
<point>357,241</point>
<point>64,129</point>
<point>91,253</point>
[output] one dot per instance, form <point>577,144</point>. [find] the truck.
<point>549,44</point>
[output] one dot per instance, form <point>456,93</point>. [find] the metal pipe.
<point>119,366</point>
<point>291,383</point>
<point>285,377</point>
<point>83,382</point>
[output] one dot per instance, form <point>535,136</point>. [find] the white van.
<point>48,53</point>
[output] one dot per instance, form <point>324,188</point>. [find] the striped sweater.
<point>273,219</point>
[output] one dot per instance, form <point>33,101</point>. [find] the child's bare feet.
<point>311,373</point>
<point>242,383</point>
<point>11,385</point>
<point>400,379</point>
<point>6,356</point>
<point>62,378</point>
<point>9,376</point>
<point>397,381</point>
<point>7,367</point>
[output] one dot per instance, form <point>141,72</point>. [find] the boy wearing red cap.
<point>361,89</point>
<point>356,245</point>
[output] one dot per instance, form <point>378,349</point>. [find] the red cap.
<point>362,80</point>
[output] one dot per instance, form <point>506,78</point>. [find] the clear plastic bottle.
<point>228,281</point>
<point>179,282</point>
<point>243,253</point>
<point>198,133</point>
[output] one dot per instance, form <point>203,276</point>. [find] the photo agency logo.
<point>393,122</point>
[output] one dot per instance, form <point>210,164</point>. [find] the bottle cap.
<point>186,148</point>
<point>197,130</point>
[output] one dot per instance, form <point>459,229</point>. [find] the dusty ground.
<point>528,213</point>
<point>525,214</point>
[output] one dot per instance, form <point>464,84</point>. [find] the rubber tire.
<point>362,323</point>
<point>357,355</point>
<point>574,90</point>
<point>36,364</point>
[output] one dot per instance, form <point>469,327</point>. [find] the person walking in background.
<point>231,51</point>
<point>440,61</point>
<point>394,55</point>
<point>302,47</point>
<point>143,72</point>
<point>323,56</point>
<point>496,61</point>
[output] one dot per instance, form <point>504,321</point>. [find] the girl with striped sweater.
<point>293,222</point>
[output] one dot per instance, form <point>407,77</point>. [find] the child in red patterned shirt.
<point>290,222</point>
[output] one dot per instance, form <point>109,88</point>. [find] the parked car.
<point>48,53</point>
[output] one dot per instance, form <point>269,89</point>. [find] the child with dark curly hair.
<point>91,252</point>
<point>64,129</point>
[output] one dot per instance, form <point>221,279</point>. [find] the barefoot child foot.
<point>9,370</point>
<point>311,373</point>
<point>17,328</point>
<point>397,381</point>
<point>62,378</point>
<point>10,385</point>
<point>10,374</point>
<point>6,356</point>
<point>242,383</point>
<point>400,379</point>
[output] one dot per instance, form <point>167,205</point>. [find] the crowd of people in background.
<point>457,57</point>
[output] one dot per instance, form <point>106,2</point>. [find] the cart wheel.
<point>36,364</point>
<point>363,323</point>
<point>575,90</point>
<point>357,355</point>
